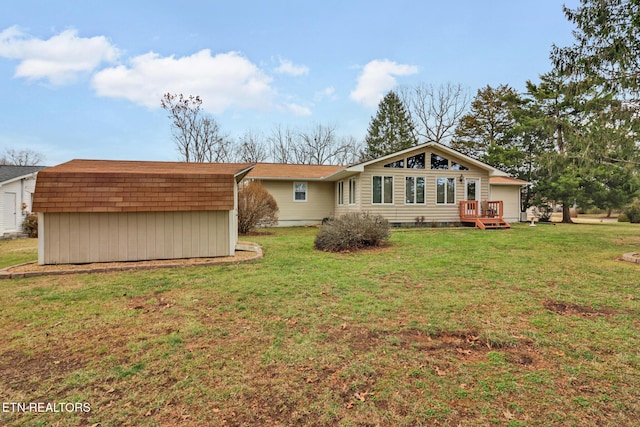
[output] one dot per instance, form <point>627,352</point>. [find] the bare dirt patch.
<point>569,309</point>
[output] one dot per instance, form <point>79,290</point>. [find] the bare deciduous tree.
<point>197,136</point>
<point>282,141</point>
<point>436,111</point>
<point>25,157</point>
<point>317,145</point>
<point>251,148</point>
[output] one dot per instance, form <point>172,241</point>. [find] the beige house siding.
<point>401,212</point>
<point>341,209</point>
<point>510,195</point>
<point>319,204</point>
<point>78,238</point>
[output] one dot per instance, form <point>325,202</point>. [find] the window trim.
<point>352,191</point>
<point>306,191</point>
<point>446,201</point>
<point>382,194</point>
<point>415,190</point>
<point>340,193</point>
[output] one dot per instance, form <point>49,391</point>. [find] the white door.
<point>10,217</point>
<point>472,189</point>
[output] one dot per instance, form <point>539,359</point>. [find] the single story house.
<point>105,211</point>
<point>428,183</point>
<point>17,184</point>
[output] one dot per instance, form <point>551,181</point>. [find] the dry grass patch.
<point>442,327</point>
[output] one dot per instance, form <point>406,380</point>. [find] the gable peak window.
<point>458,167</point>
<point>416,162</point>
<point>439,162</point>
<point>396,164</point>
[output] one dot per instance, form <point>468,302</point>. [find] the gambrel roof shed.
<point>132,186</point>
<point>105,211</point>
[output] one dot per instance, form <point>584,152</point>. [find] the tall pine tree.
<point>390,130</point>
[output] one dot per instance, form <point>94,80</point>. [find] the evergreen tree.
<point>487,132</point>
<point>390,130</point>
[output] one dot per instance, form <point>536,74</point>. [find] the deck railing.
<point>472,209</point>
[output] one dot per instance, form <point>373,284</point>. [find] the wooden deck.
<point>485,214</point>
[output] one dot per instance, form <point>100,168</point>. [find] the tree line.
<point>573,134</point>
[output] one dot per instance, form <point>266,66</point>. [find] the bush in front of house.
<point>256,207</point>
<point>352,231</point>
<point>30,225</point>
<point>632,211</point>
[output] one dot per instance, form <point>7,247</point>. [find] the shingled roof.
<point>10,172</point>
<point>288,171</point>
<point>134,186</point>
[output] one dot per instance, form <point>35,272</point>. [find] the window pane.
<point>458,167</point>
<point>409,193</point>
<point>438,162</point>
<point>396,164</point>
<point>300,191</point>
<point>377,189</point>
<point>416,162</point>
<point>420,189</point>
<point>471,190</point>
<point>341,192</point>
<point>388,189</point>
<point>451,190</point>
<point>352,191</point>
<point>440,193</point>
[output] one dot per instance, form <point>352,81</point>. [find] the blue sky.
<point>83,79</point>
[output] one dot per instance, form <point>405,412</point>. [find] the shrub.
<point>623,218</point>
<point>352,231</point>
<point>30,225</point>
<point>256,207</point>
<point>632,211</point>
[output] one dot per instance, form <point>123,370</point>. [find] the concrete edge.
<point>631,257</point>
<point>6,273</point>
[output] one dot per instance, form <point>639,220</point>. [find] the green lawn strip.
<point>528,326</point>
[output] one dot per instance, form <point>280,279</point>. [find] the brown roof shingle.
<point>285,171</point>
<point>507,180</point>
<point>132,186</point>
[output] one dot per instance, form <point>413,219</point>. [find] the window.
<point>472,189</point>
<point>445,191</point>
<point>341,192</point>
<point>458,167</point>
<point>299,191</point>
<point>439,163</point>
<point>352,191</point>
<point>383,189</point>
<point>416,162</point>
<point>414,189</point>
<point>396,164</point>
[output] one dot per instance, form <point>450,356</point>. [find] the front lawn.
<point>522,327</point>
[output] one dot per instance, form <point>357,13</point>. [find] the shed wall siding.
<point>76,238</point>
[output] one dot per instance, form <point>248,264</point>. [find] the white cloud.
<point>288,67</point>
<point>296,109</point>
<point>224,81</point>
<point>328,92</point>
<point>377,78</point>
<point>59,59</point>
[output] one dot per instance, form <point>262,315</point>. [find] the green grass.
<point>522,327</point>
<point>13,252</point>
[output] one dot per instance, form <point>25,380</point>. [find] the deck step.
<point>492,223</point>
